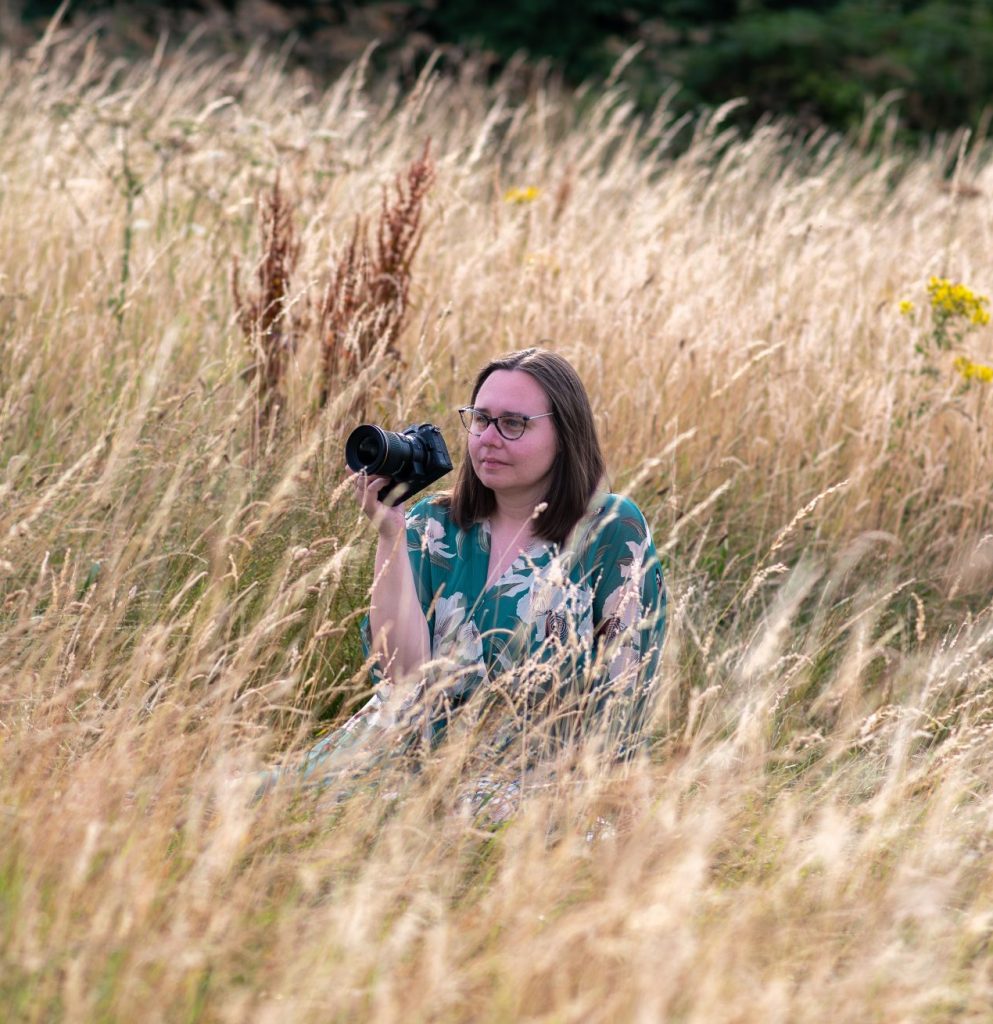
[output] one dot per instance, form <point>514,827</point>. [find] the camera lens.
<point>380,452</point>
<point>365,448</point>
<point>368,450</point>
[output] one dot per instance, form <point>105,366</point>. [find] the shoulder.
<point>613,531</point>
<point>619,507</point>
<point>614,515</point>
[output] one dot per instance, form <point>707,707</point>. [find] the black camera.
<point>413,459</point>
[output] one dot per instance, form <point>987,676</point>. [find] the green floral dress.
<point>563,645</point>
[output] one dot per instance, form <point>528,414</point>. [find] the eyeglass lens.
<point>509,427</point>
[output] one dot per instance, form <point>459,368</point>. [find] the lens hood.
<point>366,448</point>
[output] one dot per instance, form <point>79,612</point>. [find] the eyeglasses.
<point>510,426</point>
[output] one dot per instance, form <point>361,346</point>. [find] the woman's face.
<point>514,469</point>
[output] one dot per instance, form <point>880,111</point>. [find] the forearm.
<point>399,629</point>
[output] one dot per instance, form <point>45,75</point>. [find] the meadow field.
<point>209,272</point>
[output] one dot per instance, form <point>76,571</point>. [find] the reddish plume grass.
<point>367,297</point>
<point>264,316</point>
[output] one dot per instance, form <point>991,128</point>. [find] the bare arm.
<point>400,633</point>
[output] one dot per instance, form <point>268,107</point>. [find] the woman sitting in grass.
<point>526,606</point>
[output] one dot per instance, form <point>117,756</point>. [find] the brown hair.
<point>577,471</point>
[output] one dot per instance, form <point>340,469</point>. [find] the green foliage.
<point>821,61</point>
<point>826,65</point>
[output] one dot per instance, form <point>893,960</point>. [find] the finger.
<point>376,483</point>
<point>368,491</point>
<point>362,481</point>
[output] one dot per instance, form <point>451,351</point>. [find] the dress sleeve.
<point>426,529</point>
<point>629,609</point>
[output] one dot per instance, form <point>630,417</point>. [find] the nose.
<point>490,434</point>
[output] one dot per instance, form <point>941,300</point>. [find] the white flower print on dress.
<point>433,540</point>
<point>558,608</point>
<point>468,643</point>
<point>624,603</point>
<point>622,612</point>
<point>449,614</point>
<point>456,637</point>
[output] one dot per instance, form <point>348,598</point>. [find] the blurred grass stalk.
<point>809,838</point>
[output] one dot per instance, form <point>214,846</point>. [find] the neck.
<point>514,511</point>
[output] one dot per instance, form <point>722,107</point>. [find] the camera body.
<point>413,458</point>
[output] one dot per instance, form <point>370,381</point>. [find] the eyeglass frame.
<point>495,420</point>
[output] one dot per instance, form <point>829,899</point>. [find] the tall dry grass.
<point>809,837</point>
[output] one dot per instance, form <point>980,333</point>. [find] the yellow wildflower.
<point>973,371</point>
<point>949,300</point>
<point>521,195</point>
<point>906,307</point>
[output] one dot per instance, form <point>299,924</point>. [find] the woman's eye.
<point>479,422</point>
<point>512,424</point>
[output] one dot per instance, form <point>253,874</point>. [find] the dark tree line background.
<point>820,62</point>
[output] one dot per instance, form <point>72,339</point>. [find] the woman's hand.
<point>388,519</point>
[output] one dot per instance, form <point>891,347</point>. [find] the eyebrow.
<point>506,412</point>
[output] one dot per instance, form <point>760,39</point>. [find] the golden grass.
<point>809,839</point>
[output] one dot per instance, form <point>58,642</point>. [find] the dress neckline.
<point>535,548</point>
